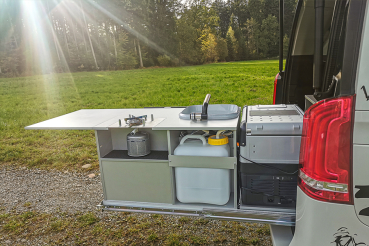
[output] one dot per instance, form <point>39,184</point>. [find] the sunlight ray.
<point>131,30</point>
<point>36,36</point>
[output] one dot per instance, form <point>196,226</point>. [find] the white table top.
<point>104,119</point>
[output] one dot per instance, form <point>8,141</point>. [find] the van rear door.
<point>361,132</point>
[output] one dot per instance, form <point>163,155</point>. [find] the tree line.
<point>86,35</point>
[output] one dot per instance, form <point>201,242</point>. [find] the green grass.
<point>87,219</point>
<point>96,228</point>
<point>153,238</point>
<point>28,100</point>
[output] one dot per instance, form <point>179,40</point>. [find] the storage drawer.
<point>141,181</point>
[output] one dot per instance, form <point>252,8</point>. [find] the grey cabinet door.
<point>137,181</point>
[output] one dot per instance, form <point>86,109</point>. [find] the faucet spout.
<point>204,114</point>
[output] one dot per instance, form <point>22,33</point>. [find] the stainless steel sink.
<point>214,111</point>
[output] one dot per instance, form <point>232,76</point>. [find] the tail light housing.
<point>326,150</point>
<point>275,87</point>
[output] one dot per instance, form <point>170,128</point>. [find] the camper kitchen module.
<point>216,161</point>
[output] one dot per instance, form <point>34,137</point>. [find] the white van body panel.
<point>361,182</point>
<point>323,223</point>
<point>363,73</point>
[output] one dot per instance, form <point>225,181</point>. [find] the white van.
<point>332,204</point>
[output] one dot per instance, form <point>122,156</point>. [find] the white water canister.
<point>202,185</point>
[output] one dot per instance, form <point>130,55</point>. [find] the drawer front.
<point>137,181</point>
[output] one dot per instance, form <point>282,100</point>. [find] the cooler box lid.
<point>281,119</point>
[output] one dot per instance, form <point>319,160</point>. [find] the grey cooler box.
<point>269,154</point>
<point>271,133</point>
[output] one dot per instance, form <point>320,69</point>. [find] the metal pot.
<point>138,143</point>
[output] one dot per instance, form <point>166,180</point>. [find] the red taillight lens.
<point>326,150</point>
<point>275,87</point>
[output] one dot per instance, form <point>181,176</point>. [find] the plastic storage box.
<point>202,185</point>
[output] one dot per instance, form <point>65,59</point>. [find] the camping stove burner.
<point>136,120</point>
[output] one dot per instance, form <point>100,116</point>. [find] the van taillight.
<point>275,87</point>
<point>326,150</point>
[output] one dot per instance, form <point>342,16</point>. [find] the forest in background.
<point>40,37</point>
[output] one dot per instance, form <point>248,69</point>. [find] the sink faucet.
<point>204,114</point>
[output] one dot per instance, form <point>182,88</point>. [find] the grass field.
<point>28,100</point>
<point>127,229</point>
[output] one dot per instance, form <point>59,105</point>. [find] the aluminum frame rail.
<point>243,215</point>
